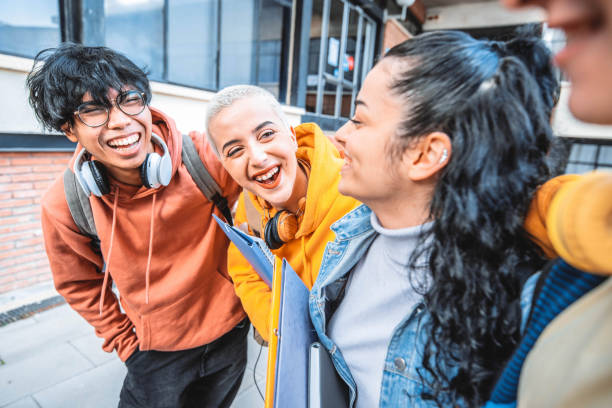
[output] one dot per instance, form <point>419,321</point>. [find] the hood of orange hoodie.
<point>164,127</point>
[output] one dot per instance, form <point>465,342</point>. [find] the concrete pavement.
<point>53,359</point>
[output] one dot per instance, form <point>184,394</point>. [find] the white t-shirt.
<point>378,296</point>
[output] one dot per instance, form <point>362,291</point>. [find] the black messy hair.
<point>490,105</point>
<point>61,76</point>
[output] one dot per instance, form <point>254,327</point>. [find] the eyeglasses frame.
<point>113,103</point>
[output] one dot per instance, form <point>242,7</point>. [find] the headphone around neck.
<point>283,226</point>
<point>155,171</point>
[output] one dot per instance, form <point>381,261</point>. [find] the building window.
<point>192,42</point>
<point>342,46</point>
<point>137,30</point>
<point>588,155</point>
<point>252,51</point>
<point>28,26</point>
<point>207,44</point>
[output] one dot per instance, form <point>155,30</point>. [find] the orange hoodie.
<point>185,297</point>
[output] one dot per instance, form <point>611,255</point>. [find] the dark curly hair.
<point>489,104</point>
<point>530,49</point>
<point>61,76</point>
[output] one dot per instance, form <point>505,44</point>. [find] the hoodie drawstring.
<point>304,260</point>
<point>110,251</point>
<point>150,249</point>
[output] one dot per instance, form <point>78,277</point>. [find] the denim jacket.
<point>401,385</point>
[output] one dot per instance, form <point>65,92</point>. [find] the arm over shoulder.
<point>579,223</point>
<point>535,222</point>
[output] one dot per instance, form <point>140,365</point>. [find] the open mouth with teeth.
<point>268,178</point>
<point>124,144</point>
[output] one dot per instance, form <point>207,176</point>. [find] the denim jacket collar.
<point>353,224</point>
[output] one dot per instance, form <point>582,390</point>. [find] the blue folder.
<point>292,329</point>
<point>254,249</point>
<point>295,335</point>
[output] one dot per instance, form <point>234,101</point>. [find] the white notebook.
<point>325,387</point>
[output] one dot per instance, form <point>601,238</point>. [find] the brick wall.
<point>24,177</point>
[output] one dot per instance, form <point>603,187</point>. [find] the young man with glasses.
<point>178,326</point>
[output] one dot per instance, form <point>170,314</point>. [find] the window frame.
<point>60,35</point>
<point>596,163</point>
<point>369,21</point>
<point>82,21</point>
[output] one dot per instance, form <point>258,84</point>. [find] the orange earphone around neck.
<point>285,224</point>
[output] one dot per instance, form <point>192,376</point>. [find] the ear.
<point>67,129</point>
<point>429,155</point>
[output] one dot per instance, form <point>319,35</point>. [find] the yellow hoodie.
<point>324,206</point>
<point>579,223</point>
<point>571,217</point>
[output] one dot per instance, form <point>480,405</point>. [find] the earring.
<point>444,156</point>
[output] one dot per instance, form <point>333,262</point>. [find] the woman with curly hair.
<point>421,297</point>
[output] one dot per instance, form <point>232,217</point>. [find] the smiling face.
<point>121,144</point>
<point>367,173</point>
<point>258,150</point>
<point>587,58</point>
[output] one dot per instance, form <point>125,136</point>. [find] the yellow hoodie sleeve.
<point>535,222</point>
<point>255,295</point>
<point>579,223</point>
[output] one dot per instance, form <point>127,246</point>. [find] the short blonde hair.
<point>226,98</point>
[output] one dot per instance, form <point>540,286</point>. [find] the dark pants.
<point>205,376</point>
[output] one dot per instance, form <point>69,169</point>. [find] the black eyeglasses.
<point>94,115</point>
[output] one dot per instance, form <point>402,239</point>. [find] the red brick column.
<point>24,177</point>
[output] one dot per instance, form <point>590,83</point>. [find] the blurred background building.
<point>312,54</point>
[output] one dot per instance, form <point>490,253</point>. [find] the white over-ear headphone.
<point>155,171</point>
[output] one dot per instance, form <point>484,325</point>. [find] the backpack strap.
<point>252,215</point>
<point>200,175</point>
<point>80,208</point>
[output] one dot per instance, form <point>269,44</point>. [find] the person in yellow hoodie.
<point>570,365</point>
<point>290,198</point>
